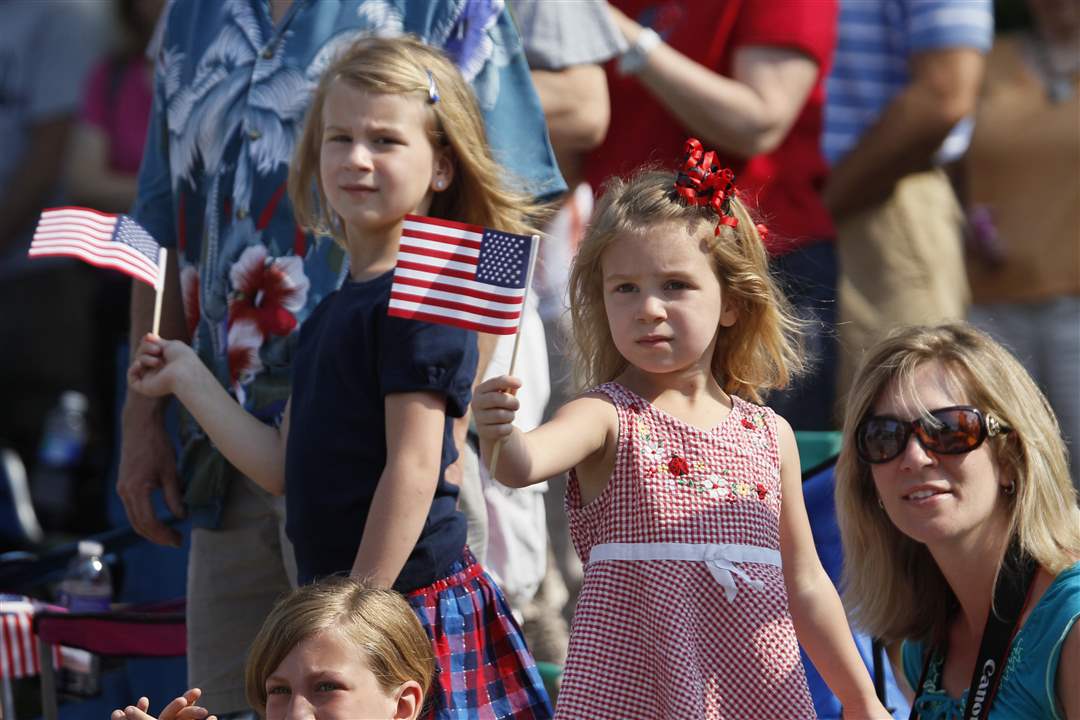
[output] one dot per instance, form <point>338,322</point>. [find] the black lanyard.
<point>1010,596</point>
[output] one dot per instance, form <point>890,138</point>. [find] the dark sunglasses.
<point>948,431</point>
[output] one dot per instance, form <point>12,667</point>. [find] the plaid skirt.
<point>483,670</point>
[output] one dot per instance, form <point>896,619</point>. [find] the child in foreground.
<point>362,450</point>
<point>698,577</point>
<point>336,650</point>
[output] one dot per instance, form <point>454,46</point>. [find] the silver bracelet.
<point>633,60</point>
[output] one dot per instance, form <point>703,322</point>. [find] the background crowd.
<point>913,161</point>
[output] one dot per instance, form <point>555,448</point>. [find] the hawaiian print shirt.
<point>230,95</point>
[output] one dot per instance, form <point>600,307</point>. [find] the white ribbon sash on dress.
<point>720,559</point>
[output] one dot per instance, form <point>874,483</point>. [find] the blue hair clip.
<point>432,91</point>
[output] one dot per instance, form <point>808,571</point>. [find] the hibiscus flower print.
<point>189,292</point>
<point>267,291</point>
<point>244,362</point>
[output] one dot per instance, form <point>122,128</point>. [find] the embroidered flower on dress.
<point>678,466</point>
<point>762,491</point>
<point>717,487</point>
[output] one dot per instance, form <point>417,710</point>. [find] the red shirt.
<point>117,100</point>
<point>785,185</point>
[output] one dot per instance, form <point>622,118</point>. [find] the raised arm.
<point>747,114</point>
<point>163,367</point>
<point>414,436</point>
<point>579,432</point>
<point>816,611</point>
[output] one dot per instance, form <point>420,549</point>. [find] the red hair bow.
<point>702,181</point>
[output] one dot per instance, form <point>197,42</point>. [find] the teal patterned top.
<point>1028,689</point>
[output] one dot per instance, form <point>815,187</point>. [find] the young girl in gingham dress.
<point>684,499</point>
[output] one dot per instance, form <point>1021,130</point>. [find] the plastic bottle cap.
<point>74,400</point>
<point>91,547</point>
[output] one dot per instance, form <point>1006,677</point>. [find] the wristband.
<point>633,60</point>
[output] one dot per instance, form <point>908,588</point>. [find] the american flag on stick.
<point>102,239</point>
<point>464,275</point>
<point>19,651</point>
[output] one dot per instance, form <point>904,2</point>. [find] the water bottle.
<point>87,586</point>
<point>60,455</point>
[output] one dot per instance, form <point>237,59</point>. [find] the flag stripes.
<point>109,241</point>
<point>435,279</point>
<point>19,656</point>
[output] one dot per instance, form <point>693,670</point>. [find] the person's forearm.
<point>722,112</point>
<point>396,518</point>
<point>253,447</point>
<point>908,133</point>
<point>902,142</point>
<point>823,631</point>
<point>33,178</point>
<point>515,467</point>
<point>576,106</point>
<point>140,408</point>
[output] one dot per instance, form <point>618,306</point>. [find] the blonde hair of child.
<point>379,622</point>
<point>758,353</point>
<point>479,192</point>
<point>892,585</point>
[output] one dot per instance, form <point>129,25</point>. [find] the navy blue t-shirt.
<point>350,356</point>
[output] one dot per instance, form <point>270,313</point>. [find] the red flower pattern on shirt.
<point>267,291</point>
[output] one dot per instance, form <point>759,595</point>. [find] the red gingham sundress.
<point>661,638</point>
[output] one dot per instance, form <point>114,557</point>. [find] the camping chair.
<point>150,630</point>
<point>155,630</point>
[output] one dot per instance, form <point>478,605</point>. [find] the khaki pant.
<point>901,263</point>
<point>235,576</point>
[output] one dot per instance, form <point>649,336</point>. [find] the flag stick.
<point>159,288</point>
<point>534,251</point>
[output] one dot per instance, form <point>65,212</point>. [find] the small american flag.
<point>457,274</point>
<point>19,654</point>
<point>101,239</point>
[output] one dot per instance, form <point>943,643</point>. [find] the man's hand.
<point>147,462</point>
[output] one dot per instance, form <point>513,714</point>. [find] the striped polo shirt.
<point>875,40</point>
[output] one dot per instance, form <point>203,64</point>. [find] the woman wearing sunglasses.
<point>953,495</point>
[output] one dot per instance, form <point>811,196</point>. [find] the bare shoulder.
<point>789,447</point>
<point>598,415</point>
